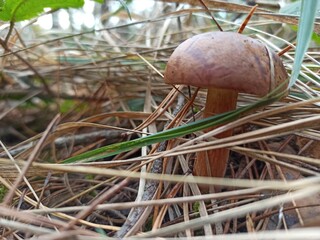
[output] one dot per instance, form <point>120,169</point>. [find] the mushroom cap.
<point>225,60</point>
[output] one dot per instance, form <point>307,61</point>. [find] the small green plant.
<point>196,207</point>
<point>3,191</point>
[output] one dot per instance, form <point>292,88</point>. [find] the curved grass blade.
<point>180,131</point>
<point>305,29</point>
<point>124,5</point>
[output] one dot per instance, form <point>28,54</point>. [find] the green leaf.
<point>305,30</point>
<point>99,1</point>
<point>1,4</point>
<point>19,10</point>
<point>316,38</point>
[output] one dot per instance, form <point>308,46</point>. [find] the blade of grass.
<point>306,24</point>
<point>218,119</point>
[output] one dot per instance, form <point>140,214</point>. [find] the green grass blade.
<point>223,118</point>
<point>305,29</point>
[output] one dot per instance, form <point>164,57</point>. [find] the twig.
<point>137,216</point>
<point>211,15</point>
<point>9,32</point>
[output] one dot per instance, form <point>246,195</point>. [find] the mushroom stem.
<point>213,163</point>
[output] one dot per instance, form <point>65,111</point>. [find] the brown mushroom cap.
<point>225,60</point>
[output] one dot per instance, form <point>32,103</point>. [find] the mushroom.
<point>226,64</point>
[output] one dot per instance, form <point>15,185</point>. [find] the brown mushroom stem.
<point>213,163</point>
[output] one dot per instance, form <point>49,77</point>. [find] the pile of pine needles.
<point>65,94</point>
